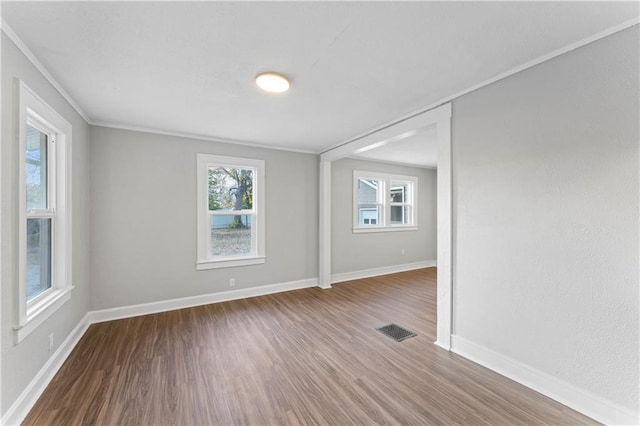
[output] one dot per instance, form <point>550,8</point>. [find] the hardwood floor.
<point>303,357</point>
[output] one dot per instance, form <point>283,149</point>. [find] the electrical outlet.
<point>50,342</point>
<point>402,252</point>
<point>232,282</point>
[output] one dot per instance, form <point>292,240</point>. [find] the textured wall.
<point>546,217</point>
<point>143,189</point>
<point>21,362</point>
<point>355,252</point>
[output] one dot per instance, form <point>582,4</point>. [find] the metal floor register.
<point>396,332</point>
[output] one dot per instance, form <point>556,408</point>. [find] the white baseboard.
<point>585,402</point>
<point>374,272</point>
<point>204,299</point>
<point>21,406</point>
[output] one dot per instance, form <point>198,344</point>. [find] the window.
<point>383,202</point>
<point>45,217</point>
<point>230,211</point>
<point>40,208</point>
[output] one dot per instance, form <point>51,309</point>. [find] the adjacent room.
<point>266,213</point>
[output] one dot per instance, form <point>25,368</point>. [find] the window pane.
<point>369,215</point>
<point>399,192</point>
<point>230,189</point>
<point>36,169</point>
<point>38,256</point>
<point>400,215</point>
<point>230,235</point>
<point>368,191</point>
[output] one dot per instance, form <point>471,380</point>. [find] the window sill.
<point>384,229</point>
<point>229,263</point>
<point>37,314</point>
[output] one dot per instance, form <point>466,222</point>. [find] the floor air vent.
<point>397,333</point>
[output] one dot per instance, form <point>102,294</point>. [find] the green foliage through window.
<point>231,189</point>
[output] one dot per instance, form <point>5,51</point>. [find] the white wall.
<point>143,194</point>
<point>546,217</point>
<point>21,362</point>
<point>356,252</point>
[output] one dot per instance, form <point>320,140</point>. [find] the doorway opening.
<point>386,137</point>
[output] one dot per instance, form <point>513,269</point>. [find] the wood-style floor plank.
<point>307,357</point>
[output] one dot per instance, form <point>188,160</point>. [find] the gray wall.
<point>21,362</point>
<point>143,194</point>
<point>356,252</point>
<point>545,220</point>
<point>546,217</point>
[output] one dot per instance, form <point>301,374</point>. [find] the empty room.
<point>269,213</point>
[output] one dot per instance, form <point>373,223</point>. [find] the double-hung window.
<point>230,211</point>
<point>44,212</point>
<point>384,202</point>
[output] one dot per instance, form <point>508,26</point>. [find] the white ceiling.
<point>189,66</point>
<point>419,149</point>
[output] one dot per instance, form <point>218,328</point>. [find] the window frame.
<point>384,200</point>
<point>49,212</point>
<point>35,112</point>
<point>257,256</point>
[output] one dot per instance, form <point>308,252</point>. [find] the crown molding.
<point>568,48</point>
<point>43,70</point>
<point>34,60</point>
<point>197,136</point>
<point>49,77</point>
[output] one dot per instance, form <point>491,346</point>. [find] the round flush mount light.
<point>272,82</point>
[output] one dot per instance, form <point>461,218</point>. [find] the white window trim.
<point>204,261</point>
<point>385,225</point>
<point>30,314</point>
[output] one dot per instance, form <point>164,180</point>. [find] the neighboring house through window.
<point>44,211</point>
<point>230,211</point>
<point>384,202</point>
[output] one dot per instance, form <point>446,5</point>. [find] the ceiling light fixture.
<point>272,82</point>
